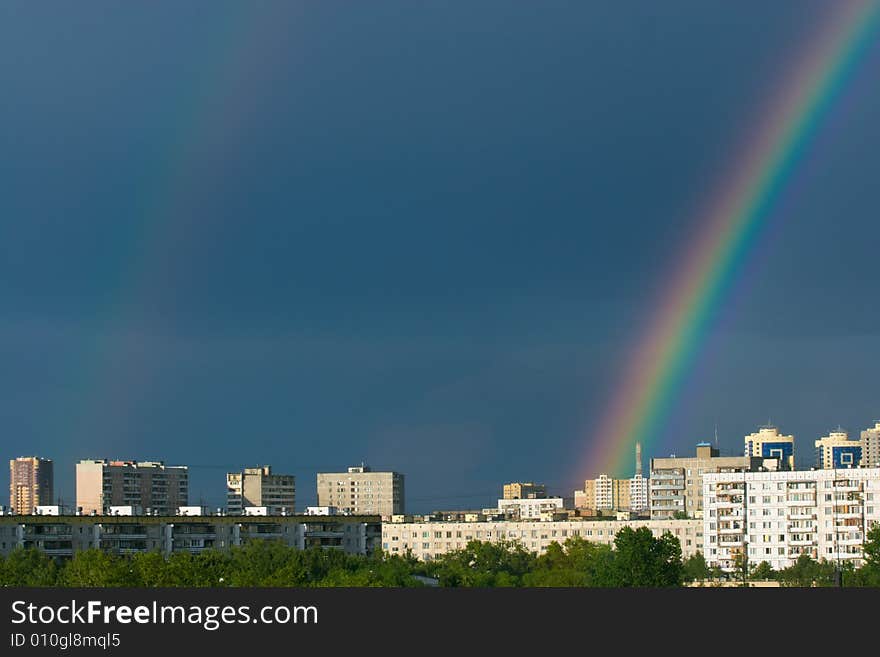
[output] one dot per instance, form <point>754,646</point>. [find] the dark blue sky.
<point>424,235</point>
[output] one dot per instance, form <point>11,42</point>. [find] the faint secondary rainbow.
<point>737,211</point>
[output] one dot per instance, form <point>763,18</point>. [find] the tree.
<point>696,568</point>
<point>28,567</point>
<point>94,567</point>
<point>680,515</point>
<point>640,559</point>
<point>763,571</point>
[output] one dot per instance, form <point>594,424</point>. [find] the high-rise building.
<point>360,491</point>
<point>778,516</point>
<point>150,485</point>
<point>769,443</point>
<point>871,446</point>
<point>31,483</point>
<point>524,491</point>
<point>260,487</point>
<point>677,483</point>
<point>836,450</point>
<point>607,494</point>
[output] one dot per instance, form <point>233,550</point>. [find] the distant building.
<point>156,488</point>
<point>62,536</point>
<point>611,495</point>
<point>521,491</point>
<point>836,450</point>
<point>530,508</point>
<point>871,446</point>
<point>677,483</point>
<point>432,539</point>
<point>260,487</point>
<point>361,491</point>
<point>31,483</point>
<point>769,443</point>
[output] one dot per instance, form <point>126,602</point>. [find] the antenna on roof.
<point>716,435</point>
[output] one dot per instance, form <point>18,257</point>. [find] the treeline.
<point>805,572</point>
<point>637,559</point>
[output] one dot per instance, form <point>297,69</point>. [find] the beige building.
<point>677,482</point>
<point>62,536</point>
<point>428,540</point>
<point>260,487</point>
<point>31,483</point>
<point>150,485</point>
<point>606,494</point>
<point>871,446</point>
<point>361,491</point>
<point>521,491</point>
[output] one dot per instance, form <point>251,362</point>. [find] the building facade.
<point>260,487</point>
<point>62,536</point>
<point>529,508</point>
<point>836,450</point>
<point>777,516</point>
<point>676,485</point>
<point>769,443</point>
<point>521,490</point>
<point>429,540</point>
<point>610,495</point>
<point>871,446</point>
<point>151,485</point>
<point>31,483</point>
<point>361,491</point>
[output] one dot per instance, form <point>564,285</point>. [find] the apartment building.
<point>607,494</point>
<point>531,509</point>
<point>62,536</point>
<point>150,485</point>
<point>361,491</point>
<point>871,446</point>
<point>260,487</point>
<point>523,490</point>
<point>769,443</point>
<point>836,450</point>
<point>429,540</point>
<point>677,483</point>
<point>777,516</point>
<point>31,483</point>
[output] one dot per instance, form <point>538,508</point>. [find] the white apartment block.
<point>777,516</point>
<point>428,540</point>
<point>530,509</point>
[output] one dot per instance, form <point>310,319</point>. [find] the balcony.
<point>729,492</point>
<point>796,503</point>
<point>734,517</point>
<point>848,514</point>
<point>667,486</point>
<point>802,541</point>
<point>847,488</point>
<point>668,497</point>
<point>801,515</point>
<point>730,541</point>
<point>851,540</point>
<point>730,530</point>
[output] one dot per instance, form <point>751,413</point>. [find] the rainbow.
<point>739,209</point>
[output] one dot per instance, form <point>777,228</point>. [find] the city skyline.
<point>310,238</point>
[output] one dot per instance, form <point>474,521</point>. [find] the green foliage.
<point>484,564</point>
<point>680,515</point>
<point>640,559</point>
<point>763,571</point>
<point>28,567</point>
<point>95,568</point>
<point>806,571</point>
<point>695,568</point>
